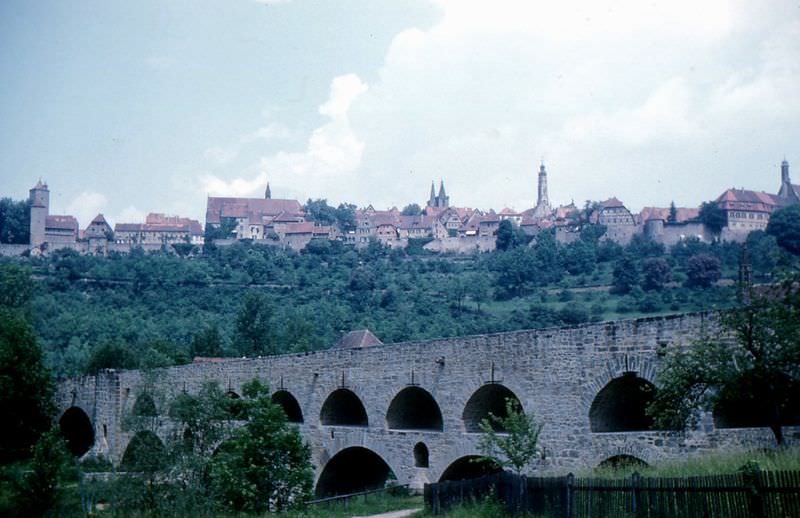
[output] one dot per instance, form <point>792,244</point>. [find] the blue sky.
<point>131,107</point>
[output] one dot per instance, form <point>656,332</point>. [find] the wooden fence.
<point>756,494</point>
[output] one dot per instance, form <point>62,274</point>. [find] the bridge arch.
<point>414,408</point>
<point>421,455</point>
<point>622,461</point>
<point>343,408</point>
<point>351,470</point>
<point>290,406</point>
<point>144,452</point>
<point>490,398</point>
<point>468,466</point>
<point>620,405</point>
<point>77,430</point>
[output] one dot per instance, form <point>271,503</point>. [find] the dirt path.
<point>393,514</point>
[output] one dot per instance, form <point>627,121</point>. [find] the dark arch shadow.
<point>490,398</point>
<point>469,466</point>
<point>352,470</point>
<point>290,406</point>
<point>622,462</point>
<point>77,430</point>
<point>620,405</point>
<point>343,408</point>
<point>421,455</point>
<point>145,452</point>
<point>414,408</point>
<point>746,407</point>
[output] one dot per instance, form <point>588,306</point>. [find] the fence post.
<point>635,493</point>
<point>569,480</point>
<point>752,479</point>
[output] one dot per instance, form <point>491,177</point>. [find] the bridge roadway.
<point>411,409</point>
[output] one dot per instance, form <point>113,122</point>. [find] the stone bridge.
<point>411,410</point>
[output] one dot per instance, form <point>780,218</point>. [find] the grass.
<point>374,504</point>
<point>783,459</point>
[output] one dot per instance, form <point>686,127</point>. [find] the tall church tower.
<point>787,190</point>
<point>267,193</point>
<point>40,208</point>
<point>441,200</point>
<point>543,208</point>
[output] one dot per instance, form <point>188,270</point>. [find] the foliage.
<point>26,388</point>
<point>626,275</point>
<point>518,446</point>
<point>673,213</point>
<point>761,357</point>
<point>346,216</point>
<point>412,209</point>
<point>225,230</point>
<point>207,343</point>
<point>506,237</point>
<point>15,221</point>
<point>656,273</point>
<point>253,326</point>
<point>111,355</point>
<point>784,225</point>
<point>702,271</point>
<point>266,465</point>
<point>320,212</point>
<point>712,216</point>
<point>39,488</point>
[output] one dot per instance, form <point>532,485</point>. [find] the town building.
<point>160,229</point>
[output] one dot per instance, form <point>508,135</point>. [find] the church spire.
<point>432,200</point>
<point>267,193</point>
<point>441,189</point>
<point>542,209</point>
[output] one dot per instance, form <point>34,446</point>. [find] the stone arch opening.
<point>620,405</point>
<point>746,408</point>
<point>622,462</point>
<point>414,408</point>
<point>469,466</point>
<point>77,430</point>
<point>421,455</point>
<point>351,470</point>
<point>489,399</point>
<point>289,404</point>
<point>343,408</point>
<point>144,406</point>
<point>145,452</point>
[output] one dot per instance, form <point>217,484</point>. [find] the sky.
<point>128,107</point>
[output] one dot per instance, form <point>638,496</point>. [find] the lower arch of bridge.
<point>748,407</point>
<point>77,430</point>
<point>145,452</point>
<point>414,408</point>
<point>352,470</point>
<point>289,404</point>
<point>343,408</point>
<point>489,399</point>
<point>421,455</point>
<point>469,466</point>
<point>620,405</point>
<point>618,462</point>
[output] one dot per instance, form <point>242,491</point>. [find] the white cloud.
<point>86,206</point>
<point>131,214</point>
<point>333,153</point>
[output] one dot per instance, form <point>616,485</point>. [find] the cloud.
<point>323,169</point>
<point>86,206</point>
<point>221,155</point>
<point>131,214</point>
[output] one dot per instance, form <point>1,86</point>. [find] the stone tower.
<point>543,208</point>
<point>786,190</point>
<point>441,200</point>
<point>40,208</point>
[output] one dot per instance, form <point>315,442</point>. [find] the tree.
<point>656,273</point>
<point>266,465</point>
<point>225,230</point>
<point>26,387</point>
<point>39,489</point>
<point>505,236</point>
<point>207,343</point>
<point>784,225</point>
<point>412,210</point>
<point>702,271</point>
<point>15,221</point>
<point>625,275</point>
<point>252,333</point>
<point>712,216</point>
<point>673,213</point>
<point>111,355</point>
<point>518,445</point>
<point>346,216</point>
<point>320,212</point>
<point>753,362</point>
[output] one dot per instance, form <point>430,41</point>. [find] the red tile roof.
<point>252,208</point>
<point>357,340</point>
<point>742,199</point>
<point>61,223</point>
<point>612,203</point>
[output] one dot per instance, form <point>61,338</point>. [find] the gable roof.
<point>252,208</point>
<point>357,340</point>
<point>55,222</point>
<point>612,202</point>
<point>743,199</point>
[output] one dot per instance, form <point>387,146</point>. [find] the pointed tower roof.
<point>441,189</point>
<point>433,191</point>
<point>268,193</point>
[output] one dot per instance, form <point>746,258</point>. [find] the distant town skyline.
<point>127,109</point>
